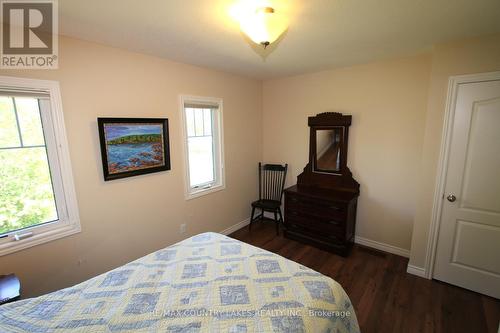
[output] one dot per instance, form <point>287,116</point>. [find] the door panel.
<point>480,190</point>
<point>469,235</point>
<point>467,251</point>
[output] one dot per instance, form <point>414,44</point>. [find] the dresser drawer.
<point>324,226</point>
<point>321,209</point>
<point>297,227</point>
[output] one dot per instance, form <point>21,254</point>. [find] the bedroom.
<point>387,65</point>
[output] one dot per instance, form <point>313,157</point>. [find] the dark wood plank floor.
<point>385,297</point>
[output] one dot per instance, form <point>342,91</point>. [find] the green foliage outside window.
<point>26,194</point>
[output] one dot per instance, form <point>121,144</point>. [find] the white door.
<point>468,248</point>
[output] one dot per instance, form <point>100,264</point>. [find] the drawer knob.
<point>332,222</point>
<point>335,208</point>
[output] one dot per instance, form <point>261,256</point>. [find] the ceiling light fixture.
<point>262,25</point>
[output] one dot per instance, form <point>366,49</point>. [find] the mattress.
<point>206,283</point>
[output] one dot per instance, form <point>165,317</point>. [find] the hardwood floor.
<point>386,298</point>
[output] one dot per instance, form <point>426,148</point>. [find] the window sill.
<point>202,192</point>
<point>40,238</point>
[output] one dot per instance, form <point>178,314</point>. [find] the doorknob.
<point>451,198</point>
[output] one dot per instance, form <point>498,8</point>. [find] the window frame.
<point>218,135</point>
<point>56,143</point>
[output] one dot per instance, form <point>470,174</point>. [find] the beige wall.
<point>125,219</point>
<point>463,57</point>
<point>388,103</point>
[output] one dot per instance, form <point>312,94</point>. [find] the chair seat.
<point>267,204</point>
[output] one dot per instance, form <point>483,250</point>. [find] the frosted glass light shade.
<point>263,26</point>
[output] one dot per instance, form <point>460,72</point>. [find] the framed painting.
<point>133,146</point>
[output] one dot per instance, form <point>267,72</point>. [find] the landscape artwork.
<point>133,146</point>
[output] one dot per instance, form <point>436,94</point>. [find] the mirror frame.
<point>329,120</point>
<point>314,147</point>
<point>341,180</point>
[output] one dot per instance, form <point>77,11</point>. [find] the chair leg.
<point>281,218</point>
<point>277,223</point>
<point>251,219</point>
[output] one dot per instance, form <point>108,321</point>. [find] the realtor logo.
<point>29,34</point>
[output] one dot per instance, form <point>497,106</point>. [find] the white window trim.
<point>69,220</point>
<point>188,192</point>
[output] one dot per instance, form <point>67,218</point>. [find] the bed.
<point>206,283</point>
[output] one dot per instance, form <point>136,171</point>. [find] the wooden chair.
<point>271,185</point>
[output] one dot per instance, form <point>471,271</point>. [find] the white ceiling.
<point>323,34</point>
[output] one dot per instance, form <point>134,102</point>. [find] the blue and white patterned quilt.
<point>206,283</point>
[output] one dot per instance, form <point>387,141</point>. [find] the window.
<point>37,198</point>
<point>202,123</point>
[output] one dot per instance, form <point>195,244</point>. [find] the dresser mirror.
<point>328,149</point>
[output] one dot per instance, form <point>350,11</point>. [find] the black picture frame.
<point>133,146</point>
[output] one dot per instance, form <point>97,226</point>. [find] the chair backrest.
<point>272,181</point>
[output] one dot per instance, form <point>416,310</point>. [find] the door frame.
<point>453,83</point>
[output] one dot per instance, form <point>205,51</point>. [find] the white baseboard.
<point>269,215</point>
<point>418,271</point>
<point>357,239</point>
<point>382,246</point>
<point>242,224</point>
<point>235,227</point>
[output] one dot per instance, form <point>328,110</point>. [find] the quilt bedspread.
<point>206,283</point>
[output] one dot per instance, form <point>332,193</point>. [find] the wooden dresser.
<point>321,209</point>
<point>325,219</point>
